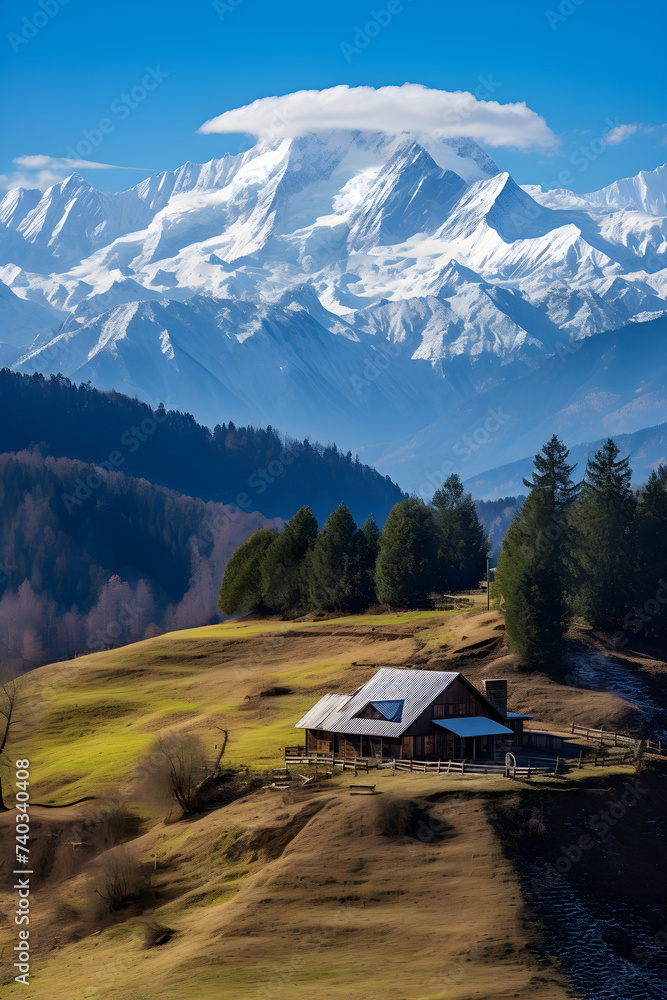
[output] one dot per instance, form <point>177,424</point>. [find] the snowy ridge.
<point>309,280</point>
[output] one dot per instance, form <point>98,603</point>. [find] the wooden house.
<point>413,714</point>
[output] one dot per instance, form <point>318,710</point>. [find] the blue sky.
<point>584,66</point>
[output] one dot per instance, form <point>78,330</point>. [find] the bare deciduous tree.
<point>10,691</point>
<point>121,880</point>
<point>182,770</point>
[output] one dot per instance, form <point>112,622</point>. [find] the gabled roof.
<point>415,688</point>
<point>324,713</point>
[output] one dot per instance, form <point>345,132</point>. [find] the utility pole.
<point>488,588</point>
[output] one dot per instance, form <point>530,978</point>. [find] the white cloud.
<point>41,171</point>
<point>623,132</point>
<point>410,108</point>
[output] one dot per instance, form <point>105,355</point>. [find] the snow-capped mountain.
<point>380,290</point>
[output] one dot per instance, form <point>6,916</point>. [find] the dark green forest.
<point>590,549</point>
<point>423,548</point>
<point>253,468</point>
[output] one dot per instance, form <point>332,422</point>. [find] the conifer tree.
<point>534,567</point>
<point>283,568</point>
<point>369,548</point>
<point>405,573</point>
<point>604,517</point>
<point>241,588</point>
<point>463,546</point>
<point>333,565</point>
<point>651,595</point>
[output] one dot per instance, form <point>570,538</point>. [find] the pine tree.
<point>651,596</point>
<point>241,588</point>
<point>283,568</point>
<point>333,565</point>
<point>534,567</point>
<point>369,549</point>
<point>463,545</point>
<point>604,518</point>
<point>405,573</point>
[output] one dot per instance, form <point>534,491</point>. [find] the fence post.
<point>556,767</point>
<point>411,763</point>
<point>438,767</point>
<point>581,756</point>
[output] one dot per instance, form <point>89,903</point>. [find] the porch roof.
<point>476,725</point>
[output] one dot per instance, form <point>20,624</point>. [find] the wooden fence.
<point>607,759</point>
<point>425,766</point>
<point>356,764</point>
<point>606,739</point>
<point>473,767</point>
<point>655,746</point>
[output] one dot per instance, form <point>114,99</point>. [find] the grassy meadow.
<point>406,895</point>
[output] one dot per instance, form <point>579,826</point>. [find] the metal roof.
<point>476,725</point>
<point>517,715</point>
<point>324,712</point>
<point>415,688</point>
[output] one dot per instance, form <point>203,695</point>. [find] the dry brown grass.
<point>406,895</point>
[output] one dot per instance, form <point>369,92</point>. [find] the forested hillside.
<point>495,517</point>
<point>590,548</point>
<point>252,468</point>
<point>91,560</point>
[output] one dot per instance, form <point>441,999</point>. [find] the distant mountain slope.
<point>352,285</point>
<point>646,448</point>
<point>250,467</point>
<point>495,516</point>
<point>91,560</point>
<point>611,384</point>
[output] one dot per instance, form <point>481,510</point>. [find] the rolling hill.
<point>311,881</point>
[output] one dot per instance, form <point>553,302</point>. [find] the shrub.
<point>394,817</point>
<point>121,880</point>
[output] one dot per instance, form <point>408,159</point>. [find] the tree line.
<point>253,468</point>
<point>594,550</point>
<point>423,548</point>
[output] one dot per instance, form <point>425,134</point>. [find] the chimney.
<point>495,691</point>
